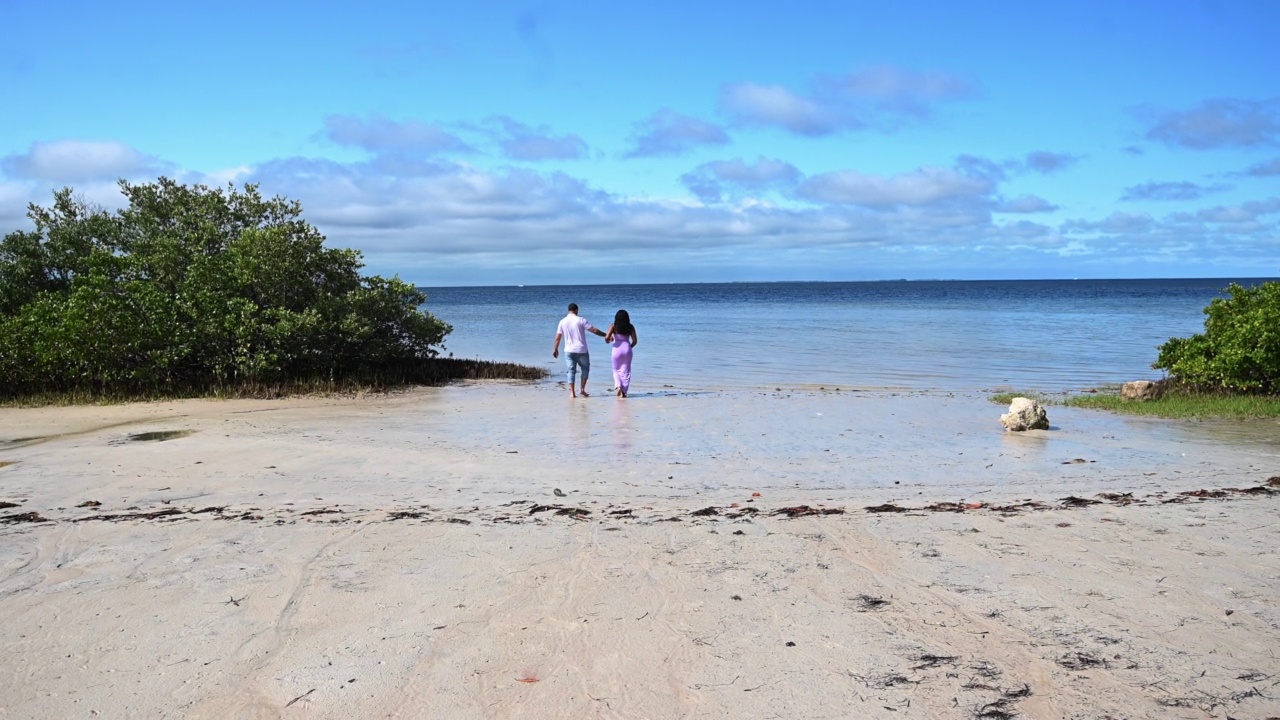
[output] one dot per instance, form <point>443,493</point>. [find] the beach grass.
<point>1175,402</point>
<point>432,372</point>
<point>1184,404</point>
<point>1004,398</point>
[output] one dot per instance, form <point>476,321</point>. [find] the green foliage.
<point>1239,349</point>
<point>191,289</point>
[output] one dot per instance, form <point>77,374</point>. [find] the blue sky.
<point>558,142</point>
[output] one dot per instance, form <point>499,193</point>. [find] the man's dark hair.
<point>573,307</point>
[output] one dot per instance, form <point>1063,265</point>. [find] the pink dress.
<point>622,361</point>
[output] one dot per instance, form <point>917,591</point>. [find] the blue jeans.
<point>575,361</point>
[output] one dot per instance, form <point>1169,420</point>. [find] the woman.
<point>622,334</point>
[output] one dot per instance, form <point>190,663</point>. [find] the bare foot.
<point>584,394</point>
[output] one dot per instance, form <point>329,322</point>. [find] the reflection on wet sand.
<point>620,425</point>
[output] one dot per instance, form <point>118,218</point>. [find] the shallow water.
<point>950,335</point>
<point>904,443</point>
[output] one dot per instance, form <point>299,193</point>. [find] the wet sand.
<point>409,556</point>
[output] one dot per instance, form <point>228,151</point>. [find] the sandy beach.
<point>499,551</point>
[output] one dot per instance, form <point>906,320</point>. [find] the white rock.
<point>1140,390</point>
<point>1025,414</point>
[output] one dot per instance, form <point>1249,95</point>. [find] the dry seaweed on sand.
<point>804,510</point>
<point>867,603</point>
<point>706,512</point>
<point>118,517</point>
<point>406,514</point>
<point>884,681</point>
<point>929,660</point>
<point>1206,493</point>
<point>1119,498</point>
<point>886,508</point>
<point>559,510</point>
<point>26,517</point>
<point>1220,493</point>
<point>1002,708</point>
<point>1081,661</point>
<point>1073,501</point>
<point>1018,507</point>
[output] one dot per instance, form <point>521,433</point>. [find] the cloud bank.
<point>439,204</point>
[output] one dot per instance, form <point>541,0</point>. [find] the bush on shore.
<point>1239,350</point>
<point>189,290</point>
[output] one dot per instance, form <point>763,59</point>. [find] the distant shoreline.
<point>1224,280</point>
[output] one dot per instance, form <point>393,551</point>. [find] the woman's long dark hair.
<point>622,323</point>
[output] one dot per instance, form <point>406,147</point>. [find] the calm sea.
<point>1046,335</point>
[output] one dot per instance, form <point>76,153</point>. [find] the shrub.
<point>1239,349</point>
<point>192,289</point>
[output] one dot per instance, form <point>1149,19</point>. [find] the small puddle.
<point>159,435</point>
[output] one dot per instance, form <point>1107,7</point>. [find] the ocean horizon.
<point>951,335</point>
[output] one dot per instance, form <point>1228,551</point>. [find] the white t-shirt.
<point>574,329</point>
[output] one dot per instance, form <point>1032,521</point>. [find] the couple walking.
<point>573,330</point>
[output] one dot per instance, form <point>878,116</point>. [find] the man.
<point>573,330</point>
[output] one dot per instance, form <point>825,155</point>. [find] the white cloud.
<point>1117,223</point>
<point>751,104</point>
<point>1024,230</point>
<point>1176,191</point>
<point>1217,123</point>
<point>70,161</point>
<point>522,142</point>
<point>1244,213</point>
<point>880,98</point>
<point>667,132</point>
<point>921,187</point>
<point>13,206</point>
<point>709,180</point>
<point>899,90</point>
<point>380,134</point>
<point>1043,161</point>
<point>1264,169</point>
<point>1025,204</point>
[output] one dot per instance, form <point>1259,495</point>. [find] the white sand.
<point>639,609</point>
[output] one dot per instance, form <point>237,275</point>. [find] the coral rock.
<point>1025,414</point>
